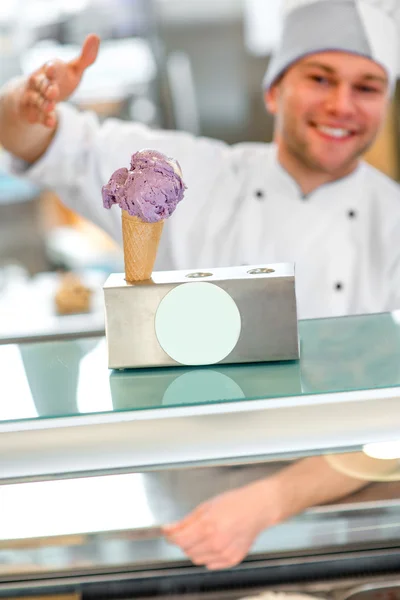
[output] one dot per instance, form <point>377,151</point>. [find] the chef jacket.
<point>242,208</point>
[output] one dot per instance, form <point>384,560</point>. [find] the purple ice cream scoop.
<point>150,190</point>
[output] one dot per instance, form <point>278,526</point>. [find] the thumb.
<point>89,52</point>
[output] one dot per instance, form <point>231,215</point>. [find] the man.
<point>307,199</point>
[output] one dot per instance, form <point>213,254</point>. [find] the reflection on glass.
<point>16,398</point>
<point>350,353</point>
<point>71,377</point>
<point>153,388</point>
<point>73,506</point>
<point>51,369</point>
<point>203,385</point>
<point>93,393</point>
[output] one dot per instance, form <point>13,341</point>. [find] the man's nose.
<point>340,101</point>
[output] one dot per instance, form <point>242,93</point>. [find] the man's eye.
<point>367,89</point>
<point>319,79</point>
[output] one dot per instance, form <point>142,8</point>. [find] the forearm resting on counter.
<point>19,137</point>
<point>310,482</point>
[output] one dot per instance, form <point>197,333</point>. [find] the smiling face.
<point>329,108</point>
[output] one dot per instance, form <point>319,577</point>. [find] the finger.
<point>230,559</point>
<point>46,81</point>
<point>176,529</point>
<point>216,549</point>
<point>179,525</point>
<point>193,517</point>
<point>50,120</point>
<point>39,82</point>
<point>204,560</point>
<point>51,69</point>
<point>35,99</point>
<point>169,528</point>
<point>218,566</point>
<point>203,554</point>
<point>90,50</point>
<point>231,555</point>
<point>32,115</point>
<point>42,93</point>
<point>188,542</point>
<point>52,93</point>
<point>37,110</point>
<point>31,105</point>
<point>34,82</point>
<point>191,535</point>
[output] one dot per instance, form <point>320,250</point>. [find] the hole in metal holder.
<point>260,271</point>
<point>198,275</point>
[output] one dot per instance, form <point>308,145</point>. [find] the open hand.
<point>54,82</point>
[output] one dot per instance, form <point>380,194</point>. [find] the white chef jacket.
<point>241,207</point>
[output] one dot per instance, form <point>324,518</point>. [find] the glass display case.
<point>93,462</point>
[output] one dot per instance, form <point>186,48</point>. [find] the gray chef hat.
<point>364,27</point>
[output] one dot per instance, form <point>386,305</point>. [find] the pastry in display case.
<point>72,296</point>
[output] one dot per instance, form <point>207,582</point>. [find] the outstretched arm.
<point>28,119</point>
<point>220,532</point>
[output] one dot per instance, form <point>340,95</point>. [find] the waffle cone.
<point>140,246</point>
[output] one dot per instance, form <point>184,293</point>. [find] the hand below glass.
<point>220,532</point>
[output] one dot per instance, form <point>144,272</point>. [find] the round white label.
<point>197,324</point>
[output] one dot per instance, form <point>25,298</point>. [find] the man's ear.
<point>271,99</point>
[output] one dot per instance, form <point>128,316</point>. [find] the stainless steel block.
<point>214,316</point>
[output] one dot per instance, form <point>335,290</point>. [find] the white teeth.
<point>334,131</point>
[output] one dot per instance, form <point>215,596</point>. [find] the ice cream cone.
<point>140,246</point>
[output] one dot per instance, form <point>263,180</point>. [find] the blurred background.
<point>194,65</point>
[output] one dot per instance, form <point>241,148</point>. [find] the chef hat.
<point>364,27</point>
